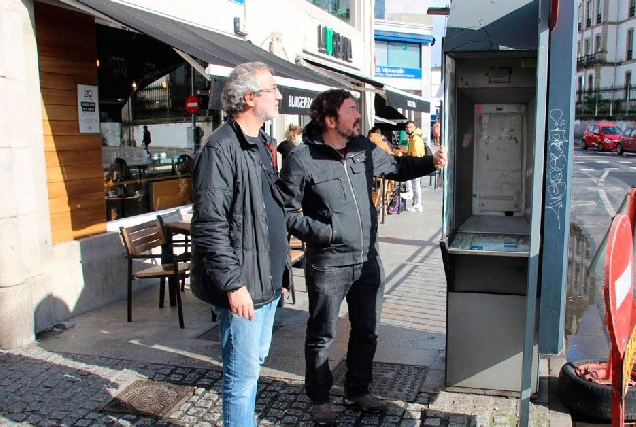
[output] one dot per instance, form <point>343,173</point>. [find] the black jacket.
<point>335,196</point>
<point>230,237</point>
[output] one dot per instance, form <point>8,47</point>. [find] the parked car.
<point>626,142</point>
<point>602,135</point>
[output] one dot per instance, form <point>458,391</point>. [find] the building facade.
<point>60,256</point>
<point>606,60</point>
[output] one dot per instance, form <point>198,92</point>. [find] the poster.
<point>88,108</point>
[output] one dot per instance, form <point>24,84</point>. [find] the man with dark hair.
<point>329,180</point>
<point>240,255</point>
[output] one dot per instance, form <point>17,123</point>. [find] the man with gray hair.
<point>240,255</point>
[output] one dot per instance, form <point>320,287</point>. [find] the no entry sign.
<point>192,104</point>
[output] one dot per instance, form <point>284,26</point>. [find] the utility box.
<point>489,127</point>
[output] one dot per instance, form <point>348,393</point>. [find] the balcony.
<point>590,60</point>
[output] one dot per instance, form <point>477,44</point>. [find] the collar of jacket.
<point>241,135</point>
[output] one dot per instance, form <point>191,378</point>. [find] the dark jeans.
<point>327,287</point>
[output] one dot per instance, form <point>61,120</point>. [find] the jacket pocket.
<point>331,192</point>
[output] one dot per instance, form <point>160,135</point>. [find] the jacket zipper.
<point>355,199</point>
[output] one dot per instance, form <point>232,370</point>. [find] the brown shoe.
<point>323,413</point>
<point>368,403</point>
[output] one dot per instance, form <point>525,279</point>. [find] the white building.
<point>403,37</point>
<point>606,60</point>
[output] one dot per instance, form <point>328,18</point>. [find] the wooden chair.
<point>176,240</point>
<point>142,238</point>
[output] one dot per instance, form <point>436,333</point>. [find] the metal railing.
<point>606,102</point>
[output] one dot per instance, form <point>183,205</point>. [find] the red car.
<point>627,142</point>
<point>602,135</point>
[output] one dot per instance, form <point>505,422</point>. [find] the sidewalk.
<point>67,377</point>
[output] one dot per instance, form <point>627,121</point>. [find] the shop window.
<point>380,10</point>
<point>339,8</point>
<point>397,54</point>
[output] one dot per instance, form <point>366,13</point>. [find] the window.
<point>630,44</point>
<point>599,11</point>
<point>380,10</point>
<point>590,83</point>
<point>339,8</point>
<point>578,49</point>
<point>588,14</point>
<point>597,43</point>
<point>628,85</point>
<point>580,15</point>
<point>396,54</point>
<point>632,7</point>
<point>588,47</point>
<point>580,89</point>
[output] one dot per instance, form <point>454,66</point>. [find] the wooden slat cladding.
<point>67,57</point>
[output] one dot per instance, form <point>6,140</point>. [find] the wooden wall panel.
<point>67,57</point>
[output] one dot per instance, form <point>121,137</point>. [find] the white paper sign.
<point>88,108</point>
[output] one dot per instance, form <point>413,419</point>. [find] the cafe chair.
<point>138,240</point>
<point>176,240</point>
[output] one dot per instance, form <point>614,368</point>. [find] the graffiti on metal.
<point>557,164</point>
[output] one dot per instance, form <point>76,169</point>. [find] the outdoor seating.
<point>177,238</point>
<point>138,240</point>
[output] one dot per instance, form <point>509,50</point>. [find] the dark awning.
<point>295,100</point>
<point>398,99</point>
<point>203,44</point>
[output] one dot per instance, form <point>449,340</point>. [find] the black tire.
<point>589,398</point>
<point>583,145</point>
<point>619,149</point>
<point>599,146</point>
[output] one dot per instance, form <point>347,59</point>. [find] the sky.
<point>439,27</point>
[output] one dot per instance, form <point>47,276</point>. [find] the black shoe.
<point>368,403</point>
<point>323,413</point>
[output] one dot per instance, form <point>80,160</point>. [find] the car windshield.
<point>611,130</point>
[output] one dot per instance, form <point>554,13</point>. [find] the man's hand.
<point>241,303</point>
<point>439,158</point>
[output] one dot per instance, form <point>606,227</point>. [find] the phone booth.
<point>491,210</point>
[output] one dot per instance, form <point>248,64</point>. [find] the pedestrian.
<point>417,148</point>
<point>328,179</point>
<point>240,255</point>
<point>437,133</point>
<point>146,140</point>
<point>375,136</point>
<point>293,136</point>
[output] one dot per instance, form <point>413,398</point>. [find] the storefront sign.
<point>334,44</point>
<point>88,109</point>
<point>407,73</point>
<point>295,101</point>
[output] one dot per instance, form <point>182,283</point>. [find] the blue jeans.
<point>363,287</point>
<point>245,344</point>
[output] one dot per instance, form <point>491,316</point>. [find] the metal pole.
<point>195,134</point>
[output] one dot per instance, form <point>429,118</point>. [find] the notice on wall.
<point>88,108</point>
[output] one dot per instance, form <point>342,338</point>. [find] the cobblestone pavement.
<point>48,389</point>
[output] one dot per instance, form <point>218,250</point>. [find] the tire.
<point>619,149</point>
<point>583,145</point>
<point>589,398</point>
<point>599,147</point>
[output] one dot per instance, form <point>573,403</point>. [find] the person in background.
<point>240,254</point>
<point>436,133</point>
<point>375,136</point>
<point>328,180</point>
<point>417,148</point>
<point>146,139</point>
<point>293,136</point>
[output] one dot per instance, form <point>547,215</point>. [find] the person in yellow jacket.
<point>417,148</point>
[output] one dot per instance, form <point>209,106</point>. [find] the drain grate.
<point>152,398</point>
<point>390,380</point>
<point>213,334</point>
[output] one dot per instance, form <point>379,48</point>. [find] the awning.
<point>297,95</point>
<point>399,99</point>
<point>203,44</point>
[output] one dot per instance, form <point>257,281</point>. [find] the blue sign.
<point>408,73</point>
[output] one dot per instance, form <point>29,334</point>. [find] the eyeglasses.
<point>274,89</point>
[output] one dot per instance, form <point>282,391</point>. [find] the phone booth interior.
<point>489,123</point>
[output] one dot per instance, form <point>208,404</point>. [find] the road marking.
<point>602,162</point>
<point>601,180</point>
<point>632,167</point>
<point>587,170</point>
<point>584,203</point>
<point>606,203</point>
<point>625,162</point>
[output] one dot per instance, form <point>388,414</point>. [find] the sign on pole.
<point>192,104</point>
